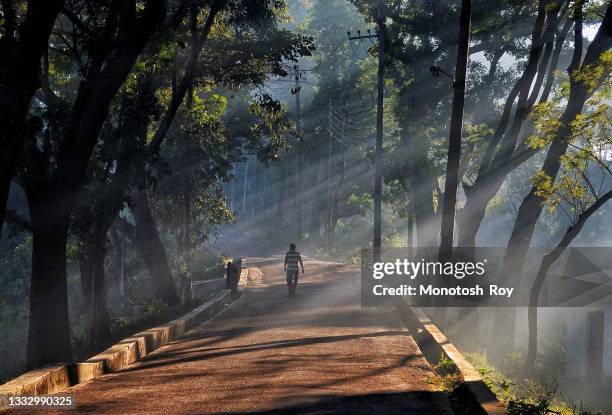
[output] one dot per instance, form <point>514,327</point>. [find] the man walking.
<point>293,261</point>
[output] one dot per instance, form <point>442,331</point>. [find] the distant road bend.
<point>318,352</point>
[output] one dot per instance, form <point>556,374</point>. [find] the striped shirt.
<point>292,260</point>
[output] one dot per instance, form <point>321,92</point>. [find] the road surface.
<point>317,352</point>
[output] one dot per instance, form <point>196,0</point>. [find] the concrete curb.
<point>58,378</point>
<point>47,379</point>
<point>429,337</point>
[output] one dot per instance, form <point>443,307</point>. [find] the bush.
<point>524,396</point>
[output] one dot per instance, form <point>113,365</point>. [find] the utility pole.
<point>254,188</point>
<point>298,75</point>
<point>378,152</point>
<point>454,143</point>
<point>329,178</point>
<point>231,192</point>
<point>265,190</point>
<point>411,191</point>
<point>244,185</point>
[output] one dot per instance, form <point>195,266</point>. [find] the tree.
<point>507,149</point>
<point>456,129</point>
<point>580,191</point>
<point>23,42</point>
<point>415,43</point>
<point>115,36</point>
<point>136,172</point>
<point>585,76</point>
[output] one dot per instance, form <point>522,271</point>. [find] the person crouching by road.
<point>234,269</point>
<point>228,275</point>
<point>293,261</point>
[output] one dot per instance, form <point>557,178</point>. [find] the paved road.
<point>318,352</point>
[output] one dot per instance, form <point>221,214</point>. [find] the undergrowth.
<point>524,396</point>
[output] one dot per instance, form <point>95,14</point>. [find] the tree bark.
<point>18,82</point>
<point>454,144</point>
<point>532,205</point>
<point>186,82</point>
<point>93,284</point>
<point>186,291</point>
<point>470,217</point>
<point>547,261</point>
<point>51,197</point>
<point>497,160</point>
<point>116,270</point>
<point>378,146</point>
<point>49,325</point>
<point>424,213</point>
<point>151,249</point>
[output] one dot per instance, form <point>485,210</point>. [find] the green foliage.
<point>206,264</point>
<point>523,396</point>
<point>154,311</point>
<point>335,57</point>
<point>473,143</point>
<point>445,366</point>
<point>497,205</point>
<point>446,376</point>
<point>393,240</point>
<point>364,200</point>
<point>591,75</point>
<point>541,406</point>
<point>545,118</point>
<point>181,270</point>
<point>585,172</point>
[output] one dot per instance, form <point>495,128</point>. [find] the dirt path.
<point>318,352</point>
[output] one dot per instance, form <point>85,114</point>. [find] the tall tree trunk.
<point>454,144</point>
<point>186,291</point>
<point>93,284</point>
<point>49,325</point>
<point>378,144</point>
<point>7,165</point>
<point>151,249</point>
<point>470,217</point>
<point>424,213</point>
<point>333,222</point>
<point>116,270</point>
<point>118,257</point>
<point>315,208</point>
<point>244,185</point>
<point>418,180</point>
<point>264,196</point>
<point>280,183</point>
<point>254,191</point>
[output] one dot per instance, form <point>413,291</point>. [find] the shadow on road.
<point>203,353</point>
<point>413,403</point>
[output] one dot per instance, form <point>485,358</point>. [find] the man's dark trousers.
<point>292,281</point>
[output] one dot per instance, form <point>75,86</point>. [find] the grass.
<point>447,378</point>
<point>524,396</point>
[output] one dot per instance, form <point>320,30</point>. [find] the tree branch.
<point>12,216</point>
<point>186,81</point>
